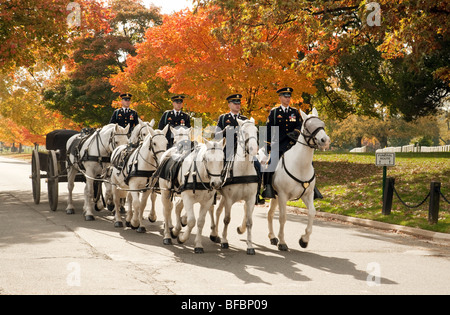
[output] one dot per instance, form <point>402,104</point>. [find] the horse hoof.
<point>141,229</point>
<point>303,244</point>
<point>250,251</point>
<point>274,241</point>
<point>110,207</point>
<point>127,224</point>
<point>89,218</point>
<point>224,245</point>
<point>118,224</point>
<point>133,227</point>
<point>239,230</point>
<point>199,250</point>
<point>167,241</point>
<point>215,239</point>
<point>179,240</point>
<point>173,235</point>
<point>70,211</point>
<point>152,221</point>
<point>283,247</point>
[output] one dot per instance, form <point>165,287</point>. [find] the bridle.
<point>310,136</point>
<point>210,175</point>
<point>244,142</point>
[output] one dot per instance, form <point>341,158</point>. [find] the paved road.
<point>45,252</point>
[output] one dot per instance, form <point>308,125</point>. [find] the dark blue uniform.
<point>169,118</point>
<point>286,121</point>
<point>124,117</point>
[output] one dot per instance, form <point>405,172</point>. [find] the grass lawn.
<point>352,186</point>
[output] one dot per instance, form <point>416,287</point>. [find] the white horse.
<point>198,177</point>
<point>133,175</point>
<point>295,178</point>
<point>243,185</point>
<point>138,135</point>
<point>92,156</point>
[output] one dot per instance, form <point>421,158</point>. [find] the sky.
<point>170,6</point>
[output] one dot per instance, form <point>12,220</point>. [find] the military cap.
<point>234,97</point>
<point>177,97</point>
<point>125,95</point>
<point>285,90</point>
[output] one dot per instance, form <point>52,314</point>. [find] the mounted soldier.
<point>175,117</point>
<point>289,123</point>
<point>229,120</point>
<point>125,116</point>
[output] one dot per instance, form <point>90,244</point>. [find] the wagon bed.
<point>53,163</point>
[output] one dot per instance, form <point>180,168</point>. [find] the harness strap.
<point>242,180</point>
<point>305,184</point>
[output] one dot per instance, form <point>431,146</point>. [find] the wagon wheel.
<point>52,181</point>
<point>36,176</point>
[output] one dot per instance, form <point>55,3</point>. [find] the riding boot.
<point>268,192</point>
<point>259,200</point>
<point>317,194</point>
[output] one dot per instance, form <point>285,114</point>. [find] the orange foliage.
<point>185,53</point>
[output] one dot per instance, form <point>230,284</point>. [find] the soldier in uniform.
<point>174,117</point>
<point>289,123</point>
<point>230,119</point>
<point>125,116</point>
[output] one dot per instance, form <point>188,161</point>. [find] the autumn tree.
<point>409,35</point>
<point>186,53</point>
<point>84,93</point>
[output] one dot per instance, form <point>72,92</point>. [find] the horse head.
<point>117,136</point>
<point>158,143</point>
<point>139,133</point>
<point>248,136</point>
<point>313,131</point>
<point>180,133</point>
<point>213,158</point>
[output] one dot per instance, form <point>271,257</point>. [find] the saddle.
<point>76,145</point>
<point>170,166</point>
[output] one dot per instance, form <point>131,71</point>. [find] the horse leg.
<point>71,173</point>
<point>143,204</point>
<point>89,199</point>
<point>189,206</point>
<point>152,215</point>
<point>117,217</point>
<point>243,227</point>
<point>204,207</point>
<point>226,220</point>
<point>109,196</point>
<point>270,215</point>
<point>175,231</point>
<point>249,206</point>
<point>136,210</point>
<point>282,213</point>
<point>309,202</point>
<point>167,206</point>
<point>129,212</point>
<point>215,228</point>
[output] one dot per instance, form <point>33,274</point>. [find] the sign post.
<point>385,160</point>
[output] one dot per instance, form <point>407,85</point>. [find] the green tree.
<point>84,93</point>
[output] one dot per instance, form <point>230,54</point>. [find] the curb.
<point>442,238</point>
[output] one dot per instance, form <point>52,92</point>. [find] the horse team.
<point>136,167</point>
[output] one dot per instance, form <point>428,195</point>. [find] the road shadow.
<point>249,269</point>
